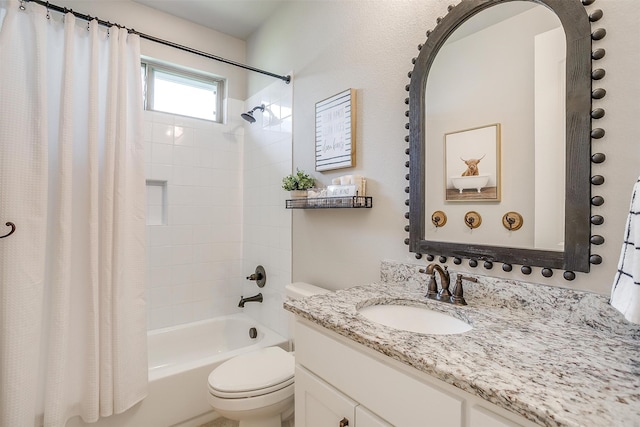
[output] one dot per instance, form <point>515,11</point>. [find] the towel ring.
<point>13,229</point>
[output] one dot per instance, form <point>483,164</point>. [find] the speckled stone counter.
<point>558,357</point>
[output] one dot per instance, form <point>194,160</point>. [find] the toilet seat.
<point>257,373</point>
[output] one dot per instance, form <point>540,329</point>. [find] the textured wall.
<point>368,45</point>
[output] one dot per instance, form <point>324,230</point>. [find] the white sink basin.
<point>414,319</point>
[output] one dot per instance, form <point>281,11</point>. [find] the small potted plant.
<point>298,183</point>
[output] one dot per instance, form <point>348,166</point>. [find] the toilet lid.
<point>257,370</point>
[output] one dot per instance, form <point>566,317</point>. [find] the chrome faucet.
<point>255,298</point>
<point>444,295</point>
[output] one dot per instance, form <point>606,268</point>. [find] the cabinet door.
<point>482,417</point>
<point>365,418</point>
<point>320,405</point>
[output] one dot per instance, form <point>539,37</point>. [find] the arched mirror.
<point>500,135</point>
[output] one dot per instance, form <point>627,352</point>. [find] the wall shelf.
<point>330,202</point>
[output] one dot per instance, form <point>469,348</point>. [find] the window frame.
<point>150,67</point>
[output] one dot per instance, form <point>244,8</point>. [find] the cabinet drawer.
<point>386,391</point>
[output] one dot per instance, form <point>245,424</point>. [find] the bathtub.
<point>468,182</point>
<point>180,360</point>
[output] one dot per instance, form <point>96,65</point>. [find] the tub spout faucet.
<point>432,287</point>
<point>255,298</point>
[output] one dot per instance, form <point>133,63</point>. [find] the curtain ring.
<point>48,14</point>
<point>88,21</point>
<point>22,5</point>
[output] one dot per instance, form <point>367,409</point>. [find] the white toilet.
<point>257,388</point>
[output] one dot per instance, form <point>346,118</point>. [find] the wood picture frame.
<point>336,131</point>
<point>472,164</point>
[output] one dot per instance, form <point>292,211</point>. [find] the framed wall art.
<point>472,164</point>
<point>336,131</point>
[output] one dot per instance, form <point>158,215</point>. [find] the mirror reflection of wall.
<point>497,68</point>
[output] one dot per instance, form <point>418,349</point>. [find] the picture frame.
<point>336,131</point>
<point>472,164</point>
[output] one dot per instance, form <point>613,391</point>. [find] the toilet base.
<point>261,416</point>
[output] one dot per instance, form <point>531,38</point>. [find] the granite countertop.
<point>556,356</point>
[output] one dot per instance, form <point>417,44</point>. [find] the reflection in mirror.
<point>504,66</point>
<point>532,87</point>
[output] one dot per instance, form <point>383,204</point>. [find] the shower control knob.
<point>260,276</point>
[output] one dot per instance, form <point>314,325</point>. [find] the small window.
<point>172,90</point>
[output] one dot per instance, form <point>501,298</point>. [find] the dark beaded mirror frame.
<point>576,255</point>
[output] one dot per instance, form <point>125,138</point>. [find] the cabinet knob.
<point>344,422</point>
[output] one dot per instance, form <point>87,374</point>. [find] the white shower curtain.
<point>72,310</point>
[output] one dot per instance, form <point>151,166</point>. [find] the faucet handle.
<point>458,293</point>
<point>432,286</point>
<point>260,276</point>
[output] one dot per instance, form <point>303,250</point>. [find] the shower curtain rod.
<point>50,6</point>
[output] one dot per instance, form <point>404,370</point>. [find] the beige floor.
<point>223,422</point>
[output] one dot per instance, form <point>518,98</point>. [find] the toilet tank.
<point>299,290</point>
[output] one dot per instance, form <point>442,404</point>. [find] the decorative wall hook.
<point>512,221</point>
<point>472,219</point>
<point>439,218</point>
<point>13,229</point>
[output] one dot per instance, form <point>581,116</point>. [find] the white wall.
<point>368,45</point>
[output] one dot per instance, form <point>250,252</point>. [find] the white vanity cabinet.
<point>320,405</point>
<point>339,381</point>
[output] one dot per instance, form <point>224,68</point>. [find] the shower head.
<point>248,116</point>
